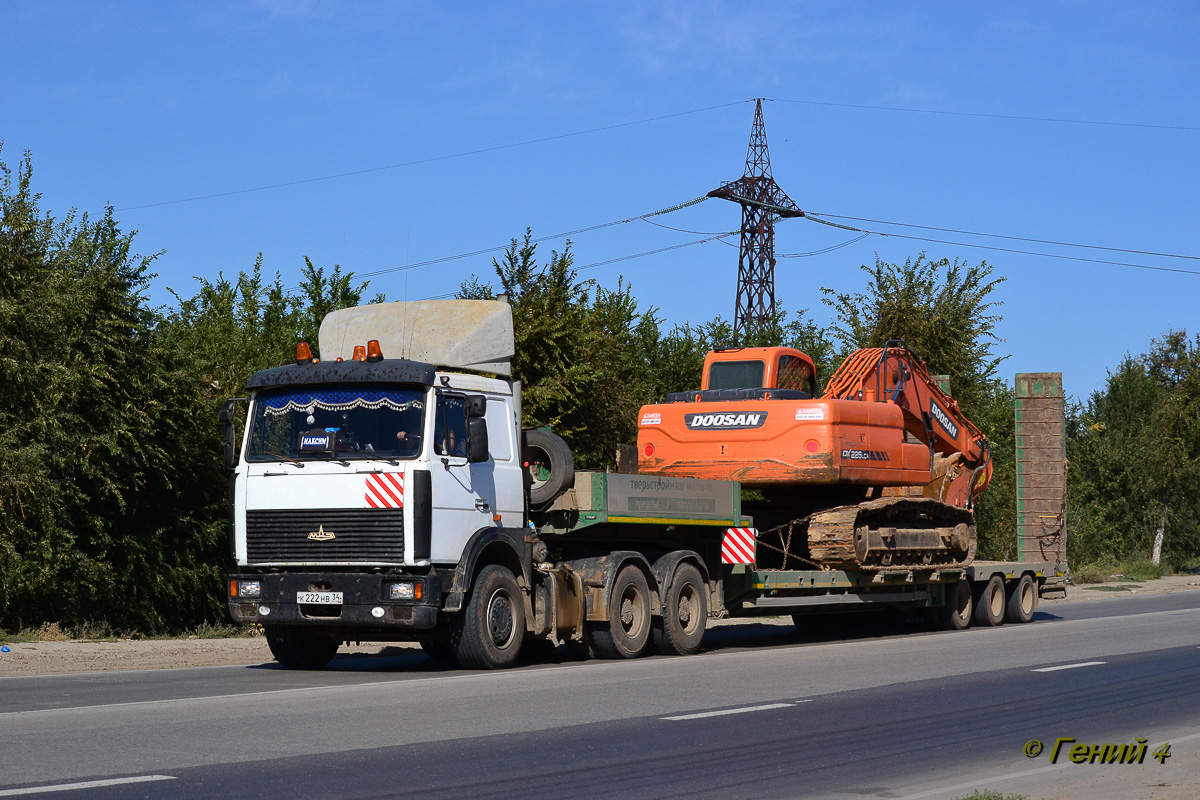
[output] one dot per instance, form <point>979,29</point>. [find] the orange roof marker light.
<point>373,351</point>
<point>360,353</point>
<point>304,354</point>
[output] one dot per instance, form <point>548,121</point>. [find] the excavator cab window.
<point>795,373</point>
<point>736,375</point>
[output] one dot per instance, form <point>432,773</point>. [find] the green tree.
<point>103,513</point>
<point>587,357</point>
<point>996,508</point>
<point>942,309</point>
<point>1134,454</point>
<point>113,499</point>
<point>231,328</point>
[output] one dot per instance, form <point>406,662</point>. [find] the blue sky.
<point>144,104</point>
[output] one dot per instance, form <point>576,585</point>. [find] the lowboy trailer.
<point>392,498</point>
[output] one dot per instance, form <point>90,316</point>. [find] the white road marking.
<point>68,787</point>
<point>743,710</point>
<point>1070,666</point>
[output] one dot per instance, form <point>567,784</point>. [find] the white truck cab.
<point>364,480</point>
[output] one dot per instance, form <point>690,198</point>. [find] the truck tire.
<point>955,614</point>
<point>627,632</point>
<point>685,613</point>
<point>989,602</point>
<point>299,647</point>
<point>550,463</point>
<point>1022,600</point>
<point>487,634</point>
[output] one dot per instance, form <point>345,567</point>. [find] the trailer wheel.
<point>628,630</point>
<point>487,634</point>
<point>685,612</point>
<point>1022,600</point>
<point>989,602</point>
<point>297,647</point>
<point>550,464</point>
<point>956,613</point>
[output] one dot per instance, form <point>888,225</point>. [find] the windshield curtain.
<point>337,423</point>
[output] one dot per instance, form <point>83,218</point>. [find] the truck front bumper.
<point>366,600</point>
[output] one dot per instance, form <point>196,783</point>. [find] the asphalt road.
<point>865,713</point>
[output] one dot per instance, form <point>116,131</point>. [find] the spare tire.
<point>550,465</point>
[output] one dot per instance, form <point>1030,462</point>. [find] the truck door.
<point>506,474</point>
<point>463,496</point>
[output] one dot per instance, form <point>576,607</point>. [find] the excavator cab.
<point>760,368</point>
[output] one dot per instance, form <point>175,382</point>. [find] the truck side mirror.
<point>475,405</point>
<point>228,436</point>
<point>477,440</point>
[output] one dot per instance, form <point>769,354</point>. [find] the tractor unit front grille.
<point>315,535</point>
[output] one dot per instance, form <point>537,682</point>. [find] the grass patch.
<point>989,794</point>
<point>1133,570</point>
<point>102,632</point>
<point>207,630</point>
<point>1109,588</point>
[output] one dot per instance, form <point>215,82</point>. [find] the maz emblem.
<point>322,535</point>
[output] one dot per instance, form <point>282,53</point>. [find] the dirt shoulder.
<point>57,657</point>
<point>50,658</point>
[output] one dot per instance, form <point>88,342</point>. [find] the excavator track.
<point>892,532</point>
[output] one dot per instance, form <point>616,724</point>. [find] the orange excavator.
<point>880,471</point>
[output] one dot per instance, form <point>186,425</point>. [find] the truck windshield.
<point>337,422</point>
<point>735,375</point>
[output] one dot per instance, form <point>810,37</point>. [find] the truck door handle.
<point>482,505</point>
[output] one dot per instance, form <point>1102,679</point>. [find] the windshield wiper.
<point>284,458</point>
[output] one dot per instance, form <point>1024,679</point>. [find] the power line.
<point>539,240</point>
<point>1010,238</point>
<point>659,250</point>
<point>679,230</point>
<point>826,249</point>
<point>1062,120</point>
<point>432,159</point>
<point>624,258</point>
<point>1008,249</point>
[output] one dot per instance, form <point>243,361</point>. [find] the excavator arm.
<point>894,374</point>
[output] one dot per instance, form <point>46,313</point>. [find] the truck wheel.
<point>989,602</point>
<point>956,613</point>
<point>297,647</point>
<point>685,612</point>
<point>628,630</point>
<point>550,463</point>
<point>487,634</point>
<point>1022,601</point>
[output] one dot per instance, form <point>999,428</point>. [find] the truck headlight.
<point>403,591</point>
<point>249,589</point>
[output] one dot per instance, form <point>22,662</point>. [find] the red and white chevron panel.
<point>385,490</point>
<point>738,546</point>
